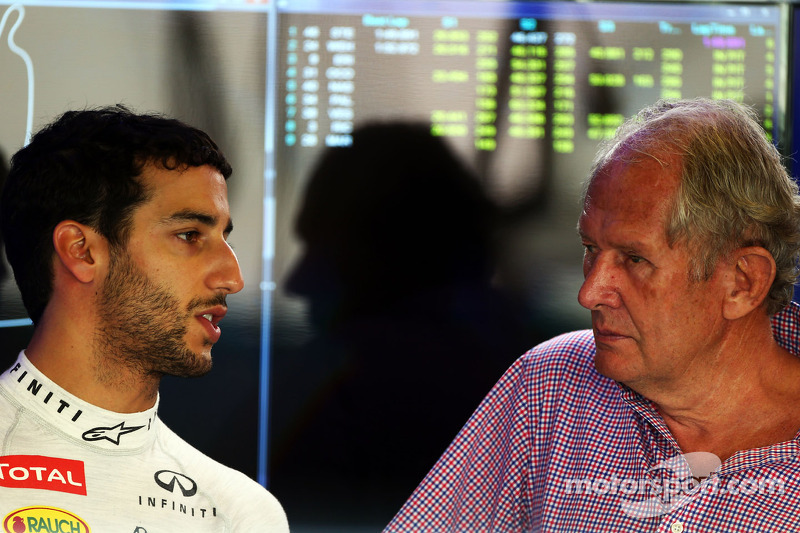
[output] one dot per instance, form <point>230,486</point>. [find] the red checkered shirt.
<point>556,447</point>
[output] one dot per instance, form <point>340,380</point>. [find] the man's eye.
<point>188,236</point>
<point>635,259</point>
<point>589,248</point>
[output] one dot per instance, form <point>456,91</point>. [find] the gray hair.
<point>734,189</point>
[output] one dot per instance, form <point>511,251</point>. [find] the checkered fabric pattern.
<point>555,447</point>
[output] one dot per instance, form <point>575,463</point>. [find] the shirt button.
<point>676,527</point>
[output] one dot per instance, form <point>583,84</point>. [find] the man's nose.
<point>601,283</point>
<point>227,275</point>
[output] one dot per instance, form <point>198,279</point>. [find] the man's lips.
<point>602,334</point>
<point>210,318</point>
<point>605,330</point>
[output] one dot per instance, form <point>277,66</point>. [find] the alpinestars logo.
<point>112,434</point>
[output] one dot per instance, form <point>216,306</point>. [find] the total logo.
<point>45,473</point>
<point>44,520</point>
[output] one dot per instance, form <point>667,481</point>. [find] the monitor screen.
<point>405,193</point>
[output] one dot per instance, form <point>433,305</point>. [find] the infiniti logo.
<point>167,479</point>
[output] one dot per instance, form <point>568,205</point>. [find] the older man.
<point>679,410</point>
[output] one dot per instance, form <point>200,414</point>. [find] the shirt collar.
<point>92,426</point>
<point>786,328</point>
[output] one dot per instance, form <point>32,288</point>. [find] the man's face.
<point>165,292</point>
<point>653,327</point>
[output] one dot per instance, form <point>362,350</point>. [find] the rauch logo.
<point>44,520</point>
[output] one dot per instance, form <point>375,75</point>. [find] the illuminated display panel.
<point>524,91</point>
<point>516,70</point>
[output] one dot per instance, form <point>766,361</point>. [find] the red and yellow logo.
<point>44,520</point>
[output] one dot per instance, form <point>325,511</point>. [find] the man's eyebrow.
<point>629,245</point>
<point>189,215</point>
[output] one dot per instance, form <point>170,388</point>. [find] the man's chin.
<point>193,371</point>
<point>191,364</point>
<point>613,365</point>
<point>204,363</point>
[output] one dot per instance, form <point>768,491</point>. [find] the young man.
<point>115,226</point>
<point>678,412</point>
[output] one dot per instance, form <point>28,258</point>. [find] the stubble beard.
<point>141,326</point>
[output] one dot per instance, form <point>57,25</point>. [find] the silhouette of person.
<point>396,268</point>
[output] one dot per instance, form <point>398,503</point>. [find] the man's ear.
<point>78,248</point>
<point>753,273</point>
